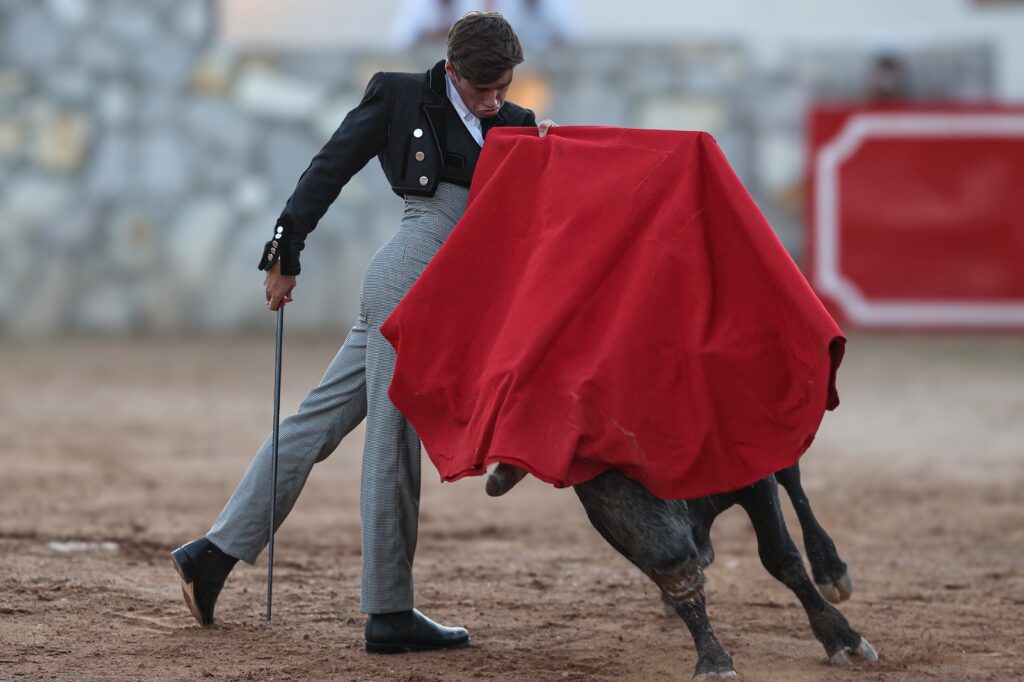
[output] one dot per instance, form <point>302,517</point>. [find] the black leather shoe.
<point>393,633</point>
<point>203,569</point>
<point>502,479</point>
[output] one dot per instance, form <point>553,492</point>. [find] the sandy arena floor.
<point>917,476</point>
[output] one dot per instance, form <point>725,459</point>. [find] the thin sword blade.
<point>273,486</point>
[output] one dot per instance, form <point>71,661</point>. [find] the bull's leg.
<point>829,571</point>
<point>782,559</point>
<point>702,513</point>
<point>713,661</point>
<point>658,537</point>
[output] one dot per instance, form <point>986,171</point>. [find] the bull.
<point>670,541</point>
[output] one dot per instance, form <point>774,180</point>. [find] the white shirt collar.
<point>471,122</point>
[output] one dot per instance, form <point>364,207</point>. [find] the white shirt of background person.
<point>539,23</point>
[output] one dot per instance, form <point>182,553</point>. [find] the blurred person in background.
<point>540,24</point>
<point>888,80</point>
<point>427,130</point>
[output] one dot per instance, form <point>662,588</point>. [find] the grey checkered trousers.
<point>356,386</point>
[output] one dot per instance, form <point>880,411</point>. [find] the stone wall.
<point>143,162</point>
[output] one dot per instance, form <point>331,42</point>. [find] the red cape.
<point>613,299</point>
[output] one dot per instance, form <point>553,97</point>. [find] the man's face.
<point>482,99</point>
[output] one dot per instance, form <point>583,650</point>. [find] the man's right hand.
<point>544,126</point>
<point>279,287</point>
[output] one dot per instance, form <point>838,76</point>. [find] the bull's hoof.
<point>864,650</point>
<point>715,663</point>
<point>838,590</point>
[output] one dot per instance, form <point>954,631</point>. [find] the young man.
<point>427,130</point>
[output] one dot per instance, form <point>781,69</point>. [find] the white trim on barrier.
<point>827,275</point>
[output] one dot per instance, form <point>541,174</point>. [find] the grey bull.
<point>670,541</point>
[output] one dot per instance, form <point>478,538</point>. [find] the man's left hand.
<point>542,127</point>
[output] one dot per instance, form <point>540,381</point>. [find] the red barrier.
<point>916,216</point>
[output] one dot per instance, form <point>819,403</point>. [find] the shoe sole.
<point>183,565</point>
<point>374,648</point>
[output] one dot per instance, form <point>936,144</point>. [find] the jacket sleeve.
<point>360,137</point>
<point>529,119</point>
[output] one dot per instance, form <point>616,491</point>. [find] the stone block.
<point>287,153</point>
<point>132,23</point>
<point>213,72</point>
<point>162,310</point>
<point>133,240</point>
<point>193,19</point>
<point>331,74</point>
<point>158,108</point>
<point>218,124</point>
<point>165,164</point>
<point>104,307</point>
<point>73,13</point>
<point>61,143</point>
<point>44,305</point>
<point>115,104</point>
<point>112,172</point>
<point>165,61</point>
<point>12,139</point>
<point>69,86</point>
<point>251,196</point>
<point>329,117</point>
<point>30,199</point>
<point>30,38</point>
<point>195,242</point>
<point>264,91</point>
<point>13,84</point>
<point>75,233</point>
<point>217,170</point>
<point>100,55</point>
<point>233,296</point>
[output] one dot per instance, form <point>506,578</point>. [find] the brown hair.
<point>482,46</point>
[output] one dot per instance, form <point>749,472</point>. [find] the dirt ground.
<point>917,476</point>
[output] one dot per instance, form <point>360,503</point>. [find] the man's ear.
<point>449,68</point>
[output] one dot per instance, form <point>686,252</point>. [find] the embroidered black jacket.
<point>405,120</point>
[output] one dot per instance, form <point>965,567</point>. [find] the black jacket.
<point>400,120</point>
